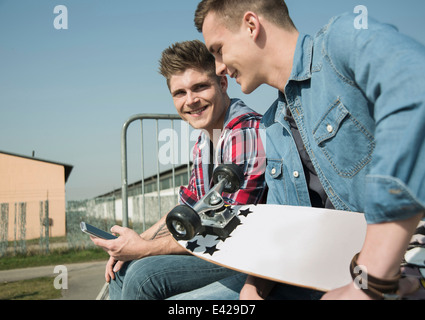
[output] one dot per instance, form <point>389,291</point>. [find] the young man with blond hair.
<point>348,127</point>
<point>152,265</point>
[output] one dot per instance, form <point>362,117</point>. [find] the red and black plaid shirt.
<point>239,143</point>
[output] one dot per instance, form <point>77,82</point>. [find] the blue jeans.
<point>230,287</point>
<point>225,289</point>
<point>161,277</point>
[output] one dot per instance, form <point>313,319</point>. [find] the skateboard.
<point>302,246</point>
<point>413,264</point>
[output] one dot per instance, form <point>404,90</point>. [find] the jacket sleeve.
<point>389,68</point>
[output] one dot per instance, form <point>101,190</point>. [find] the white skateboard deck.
<point>303,246</point>
<point>416,256</point>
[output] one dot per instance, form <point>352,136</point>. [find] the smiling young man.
<point>348,127</point>
<point>196,98</point>
<point>152,265</point>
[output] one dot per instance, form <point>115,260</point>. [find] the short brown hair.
<point>181,56</point>
<point>232,11</point>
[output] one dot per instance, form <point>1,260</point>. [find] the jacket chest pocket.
<point>346,144</point>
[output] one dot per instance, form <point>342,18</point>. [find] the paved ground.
<point>85,280</point>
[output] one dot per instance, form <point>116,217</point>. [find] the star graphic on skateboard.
<point>206,244</point>
<point>245,212</point>
<point>211,250</point>
<point>192,245</point>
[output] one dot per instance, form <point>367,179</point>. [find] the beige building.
<point>27,184</point>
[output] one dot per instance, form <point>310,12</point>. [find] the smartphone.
<point>91,230</point>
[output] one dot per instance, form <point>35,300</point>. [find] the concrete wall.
<point>151,209</point>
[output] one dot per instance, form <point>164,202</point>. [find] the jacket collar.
<point>301,68</point>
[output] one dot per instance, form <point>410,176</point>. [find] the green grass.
<point>56,257</point>
<point>33,289</point>
<point>42,288</point>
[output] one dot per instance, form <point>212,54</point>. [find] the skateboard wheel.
<point>232,173</point>
<point>183,222</point>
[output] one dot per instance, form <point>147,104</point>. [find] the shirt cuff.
<point>389,199</point>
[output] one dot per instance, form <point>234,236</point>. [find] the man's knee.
<point>143,280</point>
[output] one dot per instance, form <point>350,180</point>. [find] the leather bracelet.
<point>376,288</point>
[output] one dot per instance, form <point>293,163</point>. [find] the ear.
<point>223,84</point>
<point>251,23</point>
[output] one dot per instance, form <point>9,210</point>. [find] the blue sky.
<point>67,93</point>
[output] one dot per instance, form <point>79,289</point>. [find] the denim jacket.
<point>358,98</point>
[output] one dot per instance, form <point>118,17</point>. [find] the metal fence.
<point>124,161</point>
<point>98,212</point>
<point>104,212</point>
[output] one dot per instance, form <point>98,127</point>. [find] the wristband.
<point>376,288</point>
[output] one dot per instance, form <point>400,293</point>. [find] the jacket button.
<point>296,174</point>
<point>330,128</point>
<point>273,171</point>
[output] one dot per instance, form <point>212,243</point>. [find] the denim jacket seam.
<point>325,115</point>
<point>371,145</point>
<point>336,71</point>
<point>353,171</point>
<point>328,57</point>
<point>357,167</point>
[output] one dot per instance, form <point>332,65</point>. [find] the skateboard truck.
<point>209,214</point>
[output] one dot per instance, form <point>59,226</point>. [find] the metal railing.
<point>124,165</point>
